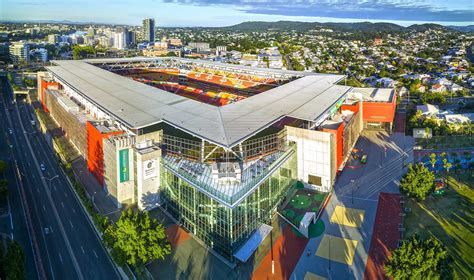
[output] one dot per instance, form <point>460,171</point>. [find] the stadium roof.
<point>138,105</point>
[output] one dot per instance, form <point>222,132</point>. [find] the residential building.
<point>19,52</point>
<point>148,30</point>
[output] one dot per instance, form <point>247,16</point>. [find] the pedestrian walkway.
<point>385,236</point>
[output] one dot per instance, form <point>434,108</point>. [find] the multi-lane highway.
<point>68,245</point>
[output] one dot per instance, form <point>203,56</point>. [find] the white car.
<point>10,131</point>
<point>43,168</point>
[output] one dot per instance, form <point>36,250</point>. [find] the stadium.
<point>220,147</point>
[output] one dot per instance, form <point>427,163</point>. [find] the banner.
<point>123,166</point>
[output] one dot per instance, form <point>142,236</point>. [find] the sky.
<point>181,13</point>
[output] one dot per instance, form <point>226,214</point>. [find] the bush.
<point>418,182</point>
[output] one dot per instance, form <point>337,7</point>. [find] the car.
<point>43,168</point>
<point>363,159</point>
<point>10,131</point>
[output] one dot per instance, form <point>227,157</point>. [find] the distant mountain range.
<point>292,25</point>
<point>339,26</point>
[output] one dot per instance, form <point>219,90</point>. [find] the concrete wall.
<point>316,155</point>
<point>148,177</point>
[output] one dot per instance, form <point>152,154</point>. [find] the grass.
<point>302,201</point>
<point>445,142</point>
<point>450,219</point>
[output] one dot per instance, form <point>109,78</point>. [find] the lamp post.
<point>352,193</point>
<point>50,179</point>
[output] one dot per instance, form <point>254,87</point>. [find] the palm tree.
<point>433,160</point>
<point>447,165</point>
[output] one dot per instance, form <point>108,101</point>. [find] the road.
<point>68,244</point>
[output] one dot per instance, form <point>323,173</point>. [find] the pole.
<point>352,194</point>
<point>329,259</point>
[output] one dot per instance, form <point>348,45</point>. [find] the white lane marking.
<point>73,211</point>
<point>71,224</point>
<point>65,194</point>
<point>44,208</point>
<point>55,188</point>
<point>95,254</point>
<point>62,204</point>
<point>82,248</point>
<point>60,258</point>
<point>38,190</point>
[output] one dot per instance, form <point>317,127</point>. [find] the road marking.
<point>55,188</point>
<point>82,248</point>
<point>62,204</point>
<point>60,258</point>
<point>38,190</point>
<point>95,254</point>
<point>65,194</point>
<point>73,211</point>
<point>44,208</point>
<point>71,224</point>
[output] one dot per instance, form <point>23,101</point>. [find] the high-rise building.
<point>131,38</point>
<point>120,40</point>
<point>91,31</point>
<point>19,51</point>
<point>149,30</point>
<point>53,38</point>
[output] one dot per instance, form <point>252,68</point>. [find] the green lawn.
<point>450,218</point>
<point>445,142</point>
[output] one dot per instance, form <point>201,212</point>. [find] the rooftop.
<point>374,94</point>
<point>137,105</point>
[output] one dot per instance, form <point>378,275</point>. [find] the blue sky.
<point>228,12</point>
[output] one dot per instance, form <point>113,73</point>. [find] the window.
<point>314,180</point>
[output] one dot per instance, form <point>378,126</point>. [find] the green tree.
<point>418,181</point>
<point>14,262</point>
<point>417,259</point>
<point>80,52</point>
<point>433,159</point>
<point>137,239</point>
<point>3,190</point>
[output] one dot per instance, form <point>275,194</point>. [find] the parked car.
<point>363,159</point>
<point>43,168</point>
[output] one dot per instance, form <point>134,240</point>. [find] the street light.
<point>93,196</point>
<point>50,179</point>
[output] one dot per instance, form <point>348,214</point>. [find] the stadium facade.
<point>218,146</point>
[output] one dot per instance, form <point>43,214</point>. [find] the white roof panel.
<point>138,105</point>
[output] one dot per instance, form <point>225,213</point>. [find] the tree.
<point>137,239</point>
<point>418,181</point>
<point>3,190</point>
<point>433,160</point>
<point>417,259</point>
<point>3,167</point>
<point>14,262</point>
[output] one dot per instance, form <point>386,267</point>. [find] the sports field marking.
<point>347,216</point>
<point>337,249</point>
<point>312,276</point>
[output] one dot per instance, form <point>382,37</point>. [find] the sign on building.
<point>124,166</point>
<point>149,169</point>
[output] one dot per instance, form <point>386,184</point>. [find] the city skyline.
<point>223,13</point>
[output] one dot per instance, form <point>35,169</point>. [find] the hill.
<point>336,26</point>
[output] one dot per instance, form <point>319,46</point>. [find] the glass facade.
<point>222,228</point>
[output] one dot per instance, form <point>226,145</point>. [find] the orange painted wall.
<point>339,142</point>
<point>95,151</point>
<point>45,85</point>
<point>379,111</point>
<point>353,108</point>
